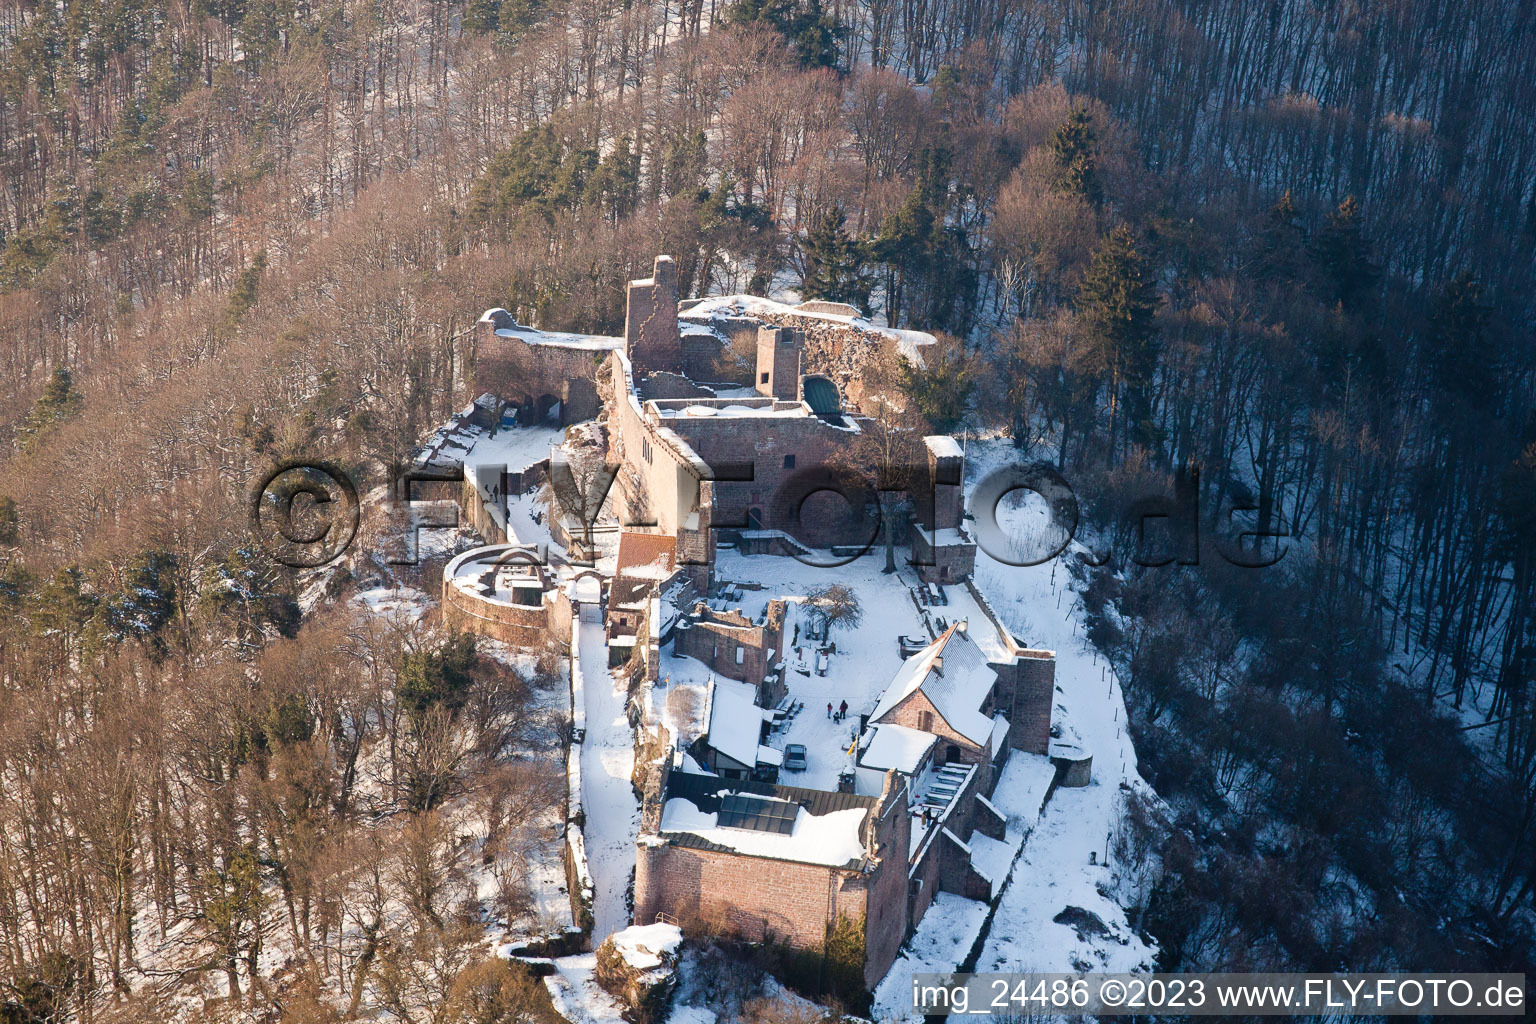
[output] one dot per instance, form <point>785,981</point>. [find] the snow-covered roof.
<point>910,676</point>
<point>956,679</point>
<point>736,723</point>
<point>944,446</point>
<point>961,687</point>
<point>832,839</point>
<point>898,747</point>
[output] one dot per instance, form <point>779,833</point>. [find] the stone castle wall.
<point>532,376</point>
<point>518,625</point>
<point>750,897</point>
<point>1027,695</point>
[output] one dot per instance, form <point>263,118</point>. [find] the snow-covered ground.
<point>577,995</point>
<point>865,660</point>
<point>951,926</point>
<point>1063,862</point>
<point>405,603</point>
<point>607,763</point>
<point>942,940</point>
<point>911,342</point>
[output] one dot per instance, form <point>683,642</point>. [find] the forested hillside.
<point>1276,255</point>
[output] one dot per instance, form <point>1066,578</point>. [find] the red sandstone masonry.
<point>753,897</point>
<point>910,714</point>
<point>650,319</point>
<point>1033,701</point>
<point>521,373</point>
<point>715,639</point>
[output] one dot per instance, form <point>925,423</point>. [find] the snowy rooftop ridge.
<point>736,723</point>
<point>954,676</point>
<point>911,676</point>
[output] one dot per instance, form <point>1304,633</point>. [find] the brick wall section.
<point>522,373</point>
<point>714,637</point>
<point>752,897</point>
<point>955,872</point>
<point>775,490</point>
<point>910,713</point>
<point>1027,690</point>
<point>949,563</point>
<point>665,488</point>
<point>661,384</point>
<point>926,874</point>
<point>945,474</point>
<point>841,353</point>
<point>888,924</point>
<point>704,358</point>
<point>778,362</point>
<point>518,625</point>
<point>475,513</point>
<point>756,896</point>
<point>650,319</point>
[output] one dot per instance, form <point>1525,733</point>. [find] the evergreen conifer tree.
<point>813,32</point>
<point>58,402</point>
<point>1118,306</point>
<point>10,522</point>
<point>1342,257</point>
<point>481,16</point>
<point>1279,247</point>
<point>835,263</point>
<point>1075,146</point>
<point>1462,357</point>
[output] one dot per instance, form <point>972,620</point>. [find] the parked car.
<point>794,757</point>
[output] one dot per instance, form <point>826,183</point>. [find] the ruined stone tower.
<point>778,362</point>
<point>650,319</point>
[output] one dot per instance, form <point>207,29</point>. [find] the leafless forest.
<point>1277,255</point>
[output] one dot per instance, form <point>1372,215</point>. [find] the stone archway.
<point>586,590</point>
<point>545,408</point>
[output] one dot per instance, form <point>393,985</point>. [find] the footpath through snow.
<point>608,799</point>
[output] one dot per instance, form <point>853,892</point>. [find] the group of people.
<point>839,713</point>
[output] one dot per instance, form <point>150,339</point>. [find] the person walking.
<point>842,711</point>
<point>829,709</point>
